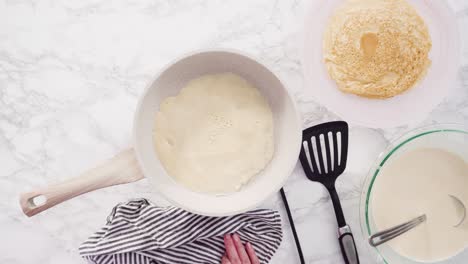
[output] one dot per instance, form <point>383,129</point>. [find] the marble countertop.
<point>70,76</point>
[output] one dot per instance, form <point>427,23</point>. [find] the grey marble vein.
<point>70,76</point>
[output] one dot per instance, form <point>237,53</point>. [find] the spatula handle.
<point>348,246</point>
<point>122,168</point>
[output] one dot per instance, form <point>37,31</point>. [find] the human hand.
<point>237,253</point>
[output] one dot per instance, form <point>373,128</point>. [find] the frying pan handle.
<point>348,246</point>
<point>122,168</point>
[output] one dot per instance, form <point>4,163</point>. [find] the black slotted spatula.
<point>323,157</point>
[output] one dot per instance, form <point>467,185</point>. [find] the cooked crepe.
<point>216,134</point>
<point>376,48</point>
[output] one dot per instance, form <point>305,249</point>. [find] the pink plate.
<point>411,106</point>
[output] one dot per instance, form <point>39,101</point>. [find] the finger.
<point>240,250</point>
<point>253,257</point>
<point>225,260</point>
<point>231,250</point>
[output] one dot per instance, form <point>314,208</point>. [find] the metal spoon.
<point>461,209</point>
<point>389,234</point>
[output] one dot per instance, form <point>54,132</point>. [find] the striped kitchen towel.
<point>138,232</point>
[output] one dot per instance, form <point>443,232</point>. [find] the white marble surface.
<point>70,76</point>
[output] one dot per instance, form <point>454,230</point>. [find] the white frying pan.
<point>132,164</point>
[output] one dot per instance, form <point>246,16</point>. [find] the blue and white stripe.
<point>138,232</point>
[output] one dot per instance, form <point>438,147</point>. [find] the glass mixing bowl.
<point>453,138</point>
